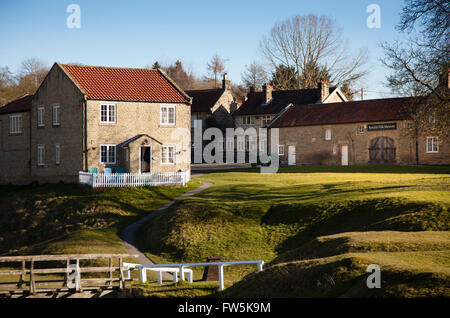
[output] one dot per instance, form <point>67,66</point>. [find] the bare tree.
<point>216,66</point>
<point>35,69</point>
<point>303,41</point>
<point>419,67</point>
<point>254,75</point>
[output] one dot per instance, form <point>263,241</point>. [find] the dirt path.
<point>128,233</point>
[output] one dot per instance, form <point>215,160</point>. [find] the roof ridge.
<point>113,67</point>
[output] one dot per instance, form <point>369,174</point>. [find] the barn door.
<point>382,150</point>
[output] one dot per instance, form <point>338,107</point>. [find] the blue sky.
<point>137,33</point>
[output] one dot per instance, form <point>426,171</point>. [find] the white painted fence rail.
<point>159,270</point>
<point>97,180</point>
<point>181,268</point>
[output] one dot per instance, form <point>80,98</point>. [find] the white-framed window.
<point>15,124</point>
<point>108,113</point>
<point>432,119</point>
<point>265,120</point>
<point>360,130</point>
<point>57,154</point>
<point>280,150</point>
<point>108,154</point>
<point>328,134</point>
<point>168,154</point>
<point>40,155</point>
<point>167,115</point>
<point>40,116</point>
<point>55,115</point>
<point>335,150</point>
<point>246,120</point>
<point>432,145</point>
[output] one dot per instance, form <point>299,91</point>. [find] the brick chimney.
<point>226,83</point>
<point>267,92</point>
<point>324,89</point>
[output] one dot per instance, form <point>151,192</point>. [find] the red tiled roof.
<point>344,112</point>
<point>112,83</point>
<point>20,105</point>
<point>204,99</point>
<point>280,99</point>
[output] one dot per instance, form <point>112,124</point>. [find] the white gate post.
<point>221,284</point>
<point>142,274</point>
<point>181,273</point>
<point>159,277</point>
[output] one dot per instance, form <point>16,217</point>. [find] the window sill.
<point>56,125</point>
<point>15,134</point>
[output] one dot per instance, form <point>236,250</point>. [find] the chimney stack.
<point>226,83</point>
<point>267,92</point>
<point>324,89</point>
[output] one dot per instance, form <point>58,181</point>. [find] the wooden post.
<point>121,280</point>
<point>32,282</point>
<point>110,271</point>
<point>22,276</point>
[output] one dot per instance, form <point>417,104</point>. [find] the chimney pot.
<point>226,83</point>
<point>267,92</point>
<point>324,89</point>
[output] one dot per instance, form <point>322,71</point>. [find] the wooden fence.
<point>73,280</point>
<point>134,179</point>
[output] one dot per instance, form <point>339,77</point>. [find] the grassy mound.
<point>412,265</point>
<point>250,216</point>
<point>72,218</point>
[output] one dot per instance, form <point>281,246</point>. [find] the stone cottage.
<point>82,117</point>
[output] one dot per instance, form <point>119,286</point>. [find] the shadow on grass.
<point>410,169</point>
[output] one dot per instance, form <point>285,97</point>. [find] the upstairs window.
<point>40,116</point>
<point>108,113</point>
<point>328,134</point>
<point>280,150</point>
<point>246,120</point>
<point>432,145</point>
<point>167,115</point>
<point>55,115</point>
<point>265,120</point>
<point>15,124</point>
<point>360,130</point>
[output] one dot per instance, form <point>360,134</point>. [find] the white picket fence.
<point>97,180</point>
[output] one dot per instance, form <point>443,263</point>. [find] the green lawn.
<point>250,216</point>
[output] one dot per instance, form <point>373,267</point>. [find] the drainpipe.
<point>85,143</point>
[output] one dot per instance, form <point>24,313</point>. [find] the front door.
<point>291,155</point>
<point>344,155</point>
<point>145,163</point>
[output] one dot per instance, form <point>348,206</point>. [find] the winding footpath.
<point>128,233</point>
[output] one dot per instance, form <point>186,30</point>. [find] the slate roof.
<point>204,99</point>
<point>129,84</point>
<point>344,112</point>
<point>280,99</point>
<point>19,105</point>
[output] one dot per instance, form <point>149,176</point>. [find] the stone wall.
<point>135,118</point>
<point>312,147</point>
<point>14,151</point>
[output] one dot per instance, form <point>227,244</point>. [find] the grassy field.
<point>250,216</point>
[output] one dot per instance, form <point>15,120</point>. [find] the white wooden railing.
<point>97,180</point>
<point>181,269</point>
